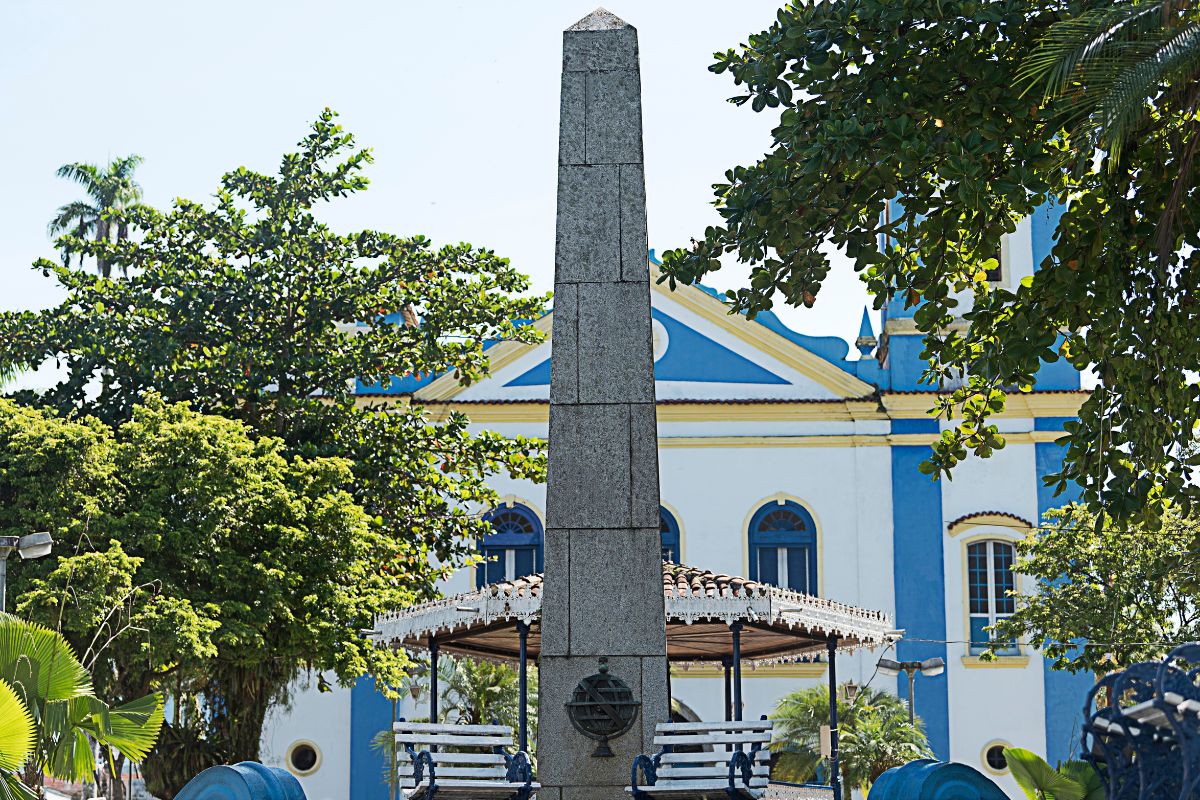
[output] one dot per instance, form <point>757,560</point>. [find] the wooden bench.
<point>702,760</point>
<point>465,761</point>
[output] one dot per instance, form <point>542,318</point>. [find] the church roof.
<point>700,605</point>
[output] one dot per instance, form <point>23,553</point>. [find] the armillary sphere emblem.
<point>602,707</point>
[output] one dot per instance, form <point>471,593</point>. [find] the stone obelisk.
<point>603,559</point>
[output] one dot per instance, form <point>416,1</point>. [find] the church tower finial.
<point>866,341</point>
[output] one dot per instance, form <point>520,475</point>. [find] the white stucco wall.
<point>997,703</point>
<point>322,718</point>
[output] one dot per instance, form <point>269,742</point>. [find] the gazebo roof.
<point>700,606</point>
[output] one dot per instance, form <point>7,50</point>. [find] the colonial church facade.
<point>785,460</point>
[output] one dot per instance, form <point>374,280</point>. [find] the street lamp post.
<point>34,545</point>
<point>930,667</point>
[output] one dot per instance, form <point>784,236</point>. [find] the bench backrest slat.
<point>462,758</point>
<point>720,770</point>
<point>454,739</point>
<point>710,783</point>
<point>709,756</point>
<point>753,737</point>
<point>726,727</point>
<point>442,727</point>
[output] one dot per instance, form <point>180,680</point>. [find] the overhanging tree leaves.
<point>920,99</point>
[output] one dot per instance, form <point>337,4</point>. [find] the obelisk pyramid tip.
<point>600,20</point>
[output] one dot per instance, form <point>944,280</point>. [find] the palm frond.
<point>124,167</point>
<point>72,757</point>
<point>73,215</point>
<point>39,664</point>
<point>16,730</point>
<point>11,788</point>
<point>1081,38</point>
<point>1133,90</point>
<point>131,728</point>
<point>86,175</point>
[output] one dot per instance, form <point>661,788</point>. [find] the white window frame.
<point>991,615</point>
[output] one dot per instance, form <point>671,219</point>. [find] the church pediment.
<point>701,352</point>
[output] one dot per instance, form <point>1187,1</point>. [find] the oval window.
<point>994,757</point>
<point>303,758</point>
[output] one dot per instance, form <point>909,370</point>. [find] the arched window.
<point>990,583</point>
<point>783,547</point>
<point>668,529</point>
<point>513,549</point>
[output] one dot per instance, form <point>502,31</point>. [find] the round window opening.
<point>995,758</point>
<point>303,758</point>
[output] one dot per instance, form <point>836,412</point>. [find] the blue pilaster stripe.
<point>370,713</point>
<point>920,578</point>
<point>1064,692</point>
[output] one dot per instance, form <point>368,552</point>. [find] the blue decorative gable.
<point>681,354</point>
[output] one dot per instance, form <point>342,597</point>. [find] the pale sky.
<point>458,100</point>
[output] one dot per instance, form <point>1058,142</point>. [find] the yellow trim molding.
<point>1000,662</point>
<point>1019,405</point>
<point>1008,523</point>
<point>749,670</point>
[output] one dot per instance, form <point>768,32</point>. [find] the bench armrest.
<point>740,761</point>
<point>420,761</point>
<point>649,767</point>
<point>520,768</point>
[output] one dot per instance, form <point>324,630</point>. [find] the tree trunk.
<point>237,699</point>
<point>102,266</point>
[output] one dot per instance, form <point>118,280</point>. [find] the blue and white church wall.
<point>754,419</point>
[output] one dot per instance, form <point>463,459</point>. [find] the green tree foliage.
<point>1109,593</point>
<point>922,100</point>
<point>52,716</point>
<point>479,692</point>
<point>110,190</point>
<point>1072,780</point>
<point>256,310</point>
<point>208,562</point>
<point>874,736</point>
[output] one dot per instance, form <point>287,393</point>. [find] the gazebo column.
<point>727,663</point>
<point>736,629</point>
<point>433,679</point>
<point>523,687</point>
<point>835,778</point>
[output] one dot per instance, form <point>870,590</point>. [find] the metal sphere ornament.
<point>602,707</point>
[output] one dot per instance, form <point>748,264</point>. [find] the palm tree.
<point>1117,74</point>
<point>874,735</point>
<point>69,722</point>
<point>16,743</point>
<point>109,189</point>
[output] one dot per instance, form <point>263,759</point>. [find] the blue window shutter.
<point>495,564</point>
<point>798,568</point>
<point>768,565</point>
<point>524,562</point>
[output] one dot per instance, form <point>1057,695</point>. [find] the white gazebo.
<point>710,617</point>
